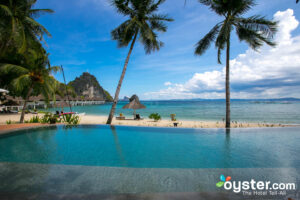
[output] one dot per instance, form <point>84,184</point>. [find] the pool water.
<point>140,147</point>
<point>103,162</point>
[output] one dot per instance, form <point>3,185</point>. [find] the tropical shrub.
<point>8,122</point>
<point>71,119</point>
<point>155,116</point>
<point>50,118</point>
<point>46,118</point>
<point>35,119</point>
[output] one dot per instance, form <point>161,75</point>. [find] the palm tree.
<point>142,23</point>
<point>255,31</point>
<point>32,77</point>
<point>17,23</point>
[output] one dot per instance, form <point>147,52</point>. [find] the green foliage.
<point>18,25</point>
<point>46,118</point>
<point>8,122</point>
<point>34,119</point>
<point>42,112</point>
<point>143,21</point>
<point>155,116</point>
<point>255,30</point>
<point>23,60</point>
<point>108,96</point>
<point>71,119</point>
<point>50,118</point>
<point>62,89</point>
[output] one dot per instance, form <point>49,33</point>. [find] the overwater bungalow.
<point>16,103</point>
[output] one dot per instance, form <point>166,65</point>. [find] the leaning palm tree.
<point>32,77</point>
<point>17,23</point>
<point>255,31</point>
<point>142,23</point>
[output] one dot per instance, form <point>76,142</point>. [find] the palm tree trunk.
<point>228,83</point>
<point>113,108</point>
<point>25,104</point>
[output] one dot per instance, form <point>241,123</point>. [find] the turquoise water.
<point>285,112</point>
<point>139,147</point>
<point>102,162</point>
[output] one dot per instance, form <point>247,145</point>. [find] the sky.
<point>81,42</point>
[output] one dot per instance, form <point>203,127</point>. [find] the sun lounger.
<point>138,117</point>
<point>13,111</point>
<point>120,118</point>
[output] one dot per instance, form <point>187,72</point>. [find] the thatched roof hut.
<point>134,103</point>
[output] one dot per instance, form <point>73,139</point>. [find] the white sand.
<point>93,119</point>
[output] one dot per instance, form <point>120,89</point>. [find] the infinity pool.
<point>140,147</point>
<point>98,160</point>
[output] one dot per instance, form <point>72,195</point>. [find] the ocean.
<point>284,112</point>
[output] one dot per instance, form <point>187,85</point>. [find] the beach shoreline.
<point>101,120</point>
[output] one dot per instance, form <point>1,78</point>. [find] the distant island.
<point>87,86</point>
<point>125,98</point>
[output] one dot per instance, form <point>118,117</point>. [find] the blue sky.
<point>81,43</point>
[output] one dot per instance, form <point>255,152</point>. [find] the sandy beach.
<point>94,119</point>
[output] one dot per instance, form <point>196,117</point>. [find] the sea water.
<point>285,112</point>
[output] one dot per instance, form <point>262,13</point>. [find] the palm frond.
<point>143,22</point>
<point>14,69</point>
<point>241,7</point>
<point>258,24</point>
<point>122,7</point>
<point>219,55</point>
<point>154,7</point>
<point>23,39</point>
<point>149,39</point>
<point>31,3</point>
<point>205,42</point>
<point>55,69</point>
<point>159,17</point>
<point>39,29</point>
<point>253,38</point>
<point>5,10</point>
<point>207,2</point>
<point>48,88</point>
<point>158,25</point>
<point>215,5</point>
<point>22,82</point>
<point>38,12</point>
<point>124,33</point>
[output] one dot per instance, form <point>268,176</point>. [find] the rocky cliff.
<point>87,85</point>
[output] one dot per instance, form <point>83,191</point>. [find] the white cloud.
<point>269,73</point>
<point>99,4</point>
<point>168,83</point>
